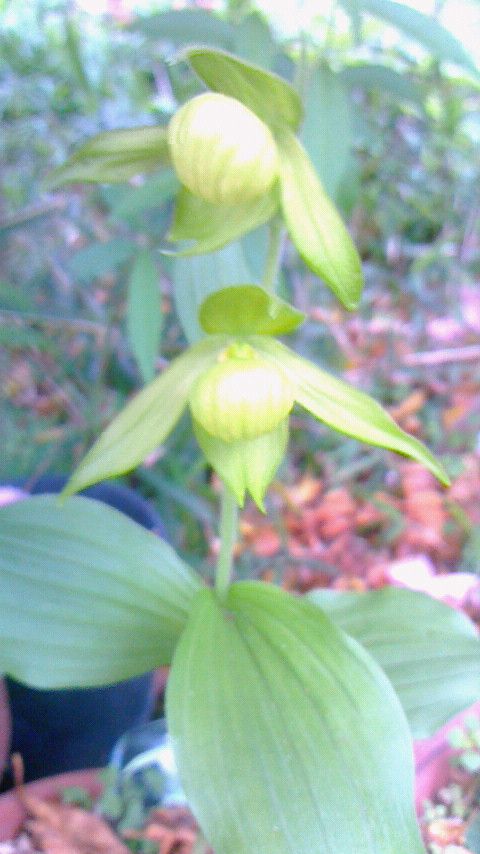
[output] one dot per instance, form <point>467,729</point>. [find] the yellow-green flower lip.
<point>221,150</point>
<point>242,396</point>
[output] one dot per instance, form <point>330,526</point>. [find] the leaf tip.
<point>68,490</point>
<point>351,305</point>
<point>443,476</point>
<point>62,497</point>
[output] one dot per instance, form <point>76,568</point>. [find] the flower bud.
<point>221,150</point>
<point>241,397</point>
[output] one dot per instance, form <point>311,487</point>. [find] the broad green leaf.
<point>269,96</point>
<point>254,41</point>
<point>327,128</point>
<point>184,26</point>
<point>147,420</point>
<point>144,313</point>
<point>98,259</point>
<point>87,597</point>
<point>429,651</point>
<point>422,28</point>
<point>288,737</point>
<point>195,278</point>
<point>213,226</point>
<point>248,310</point>
<point>246,466</point>
<point>383,78</point>
<point>113,156</point>
<point>347,409</point>
<point>315,225</point>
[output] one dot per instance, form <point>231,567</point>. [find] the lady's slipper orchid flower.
<point>221,150</point>
<point>240,384</point>
<point>236,152</point>
<point>237,155</point>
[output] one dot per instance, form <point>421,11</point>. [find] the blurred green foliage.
<point>394,137</point>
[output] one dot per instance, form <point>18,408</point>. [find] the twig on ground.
<point>443,357</point>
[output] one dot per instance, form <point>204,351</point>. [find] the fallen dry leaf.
<point>447,831</point>
<point>62,829</point>
<point>174,828</point>
<point>296,495</point>
<point>410,406</point>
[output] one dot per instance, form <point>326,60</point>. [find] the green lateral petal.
<point>246,466</point>
<point>435,671</point>
<point>248,310</point>
<point>288,737</point>
<point>266,94</point>
<point>347,409</point>
<point>147,420</point>
<point>212,226</point>
<point>114,156</point>
<point>87,597</point>
<point>315,225</point>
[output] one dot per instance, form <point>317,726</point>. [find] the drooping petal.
<point>246,465</point>
<point>147,420</point>
<point>113,157</point>
<point>345,408</point>
<point>213,226</point>
<point>315,225</point>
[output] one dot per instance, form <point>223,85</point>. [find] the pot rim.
<point>5,726</point>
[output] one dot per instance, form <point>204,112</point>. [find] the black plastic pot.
<point>57,731</point>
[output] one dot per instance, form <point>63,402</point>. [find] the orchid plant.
<point>291,717</point>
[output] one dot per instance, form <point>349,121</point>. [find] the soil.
<point>448,818</point>
<point>57,829</point>
<point>53,827</point>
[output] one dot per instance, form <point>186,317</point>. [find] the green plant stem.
<point>274,255</point>
<point>303,67</point>
<point>228,536</point>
